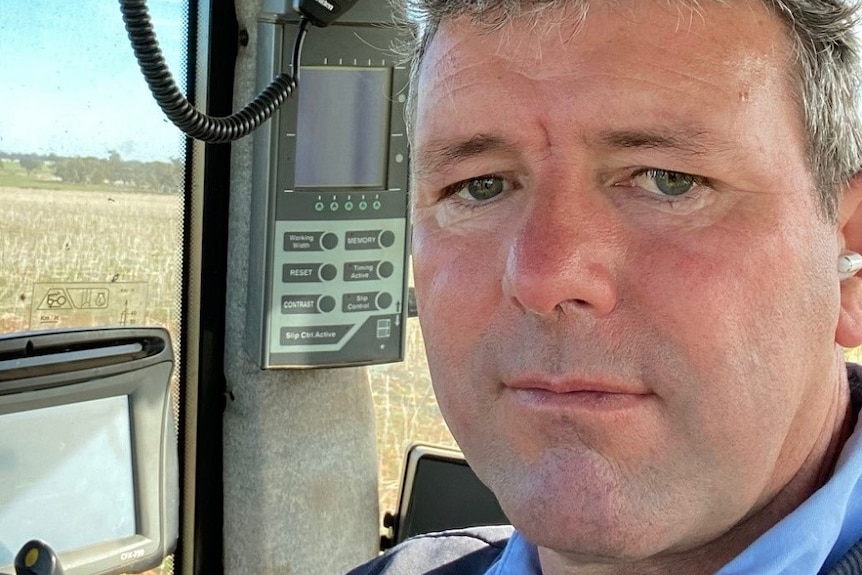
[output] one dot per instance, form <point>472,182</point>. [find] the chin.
<point>595,524</point>
<point>619,543</point>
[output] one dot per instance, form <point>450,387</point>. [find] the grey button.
<point>384,300</point>
<point>385,269</point>
<point>387,238</point>
<point>329,241</point>
<point>326,304</point>
<point>328,272</point>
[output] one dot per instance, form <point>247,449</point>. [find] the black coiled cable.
<point>178,109</point>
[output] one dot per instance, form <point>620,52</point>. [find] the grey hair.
<point>823,38</point>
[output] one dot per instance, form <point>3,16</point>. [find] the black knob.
<point>37,558</point>
<point>326,304</point>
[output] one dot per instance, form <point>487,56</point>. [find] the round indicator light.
<point>387,238</point>
<point>326,304</point>
<point>385,269</point>
<point>384,300</point>
<point>328,272</point>
<point>329,240</point>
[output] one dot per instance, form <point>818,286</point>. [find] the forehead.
<point>565,18</point>
<point>665,51</point>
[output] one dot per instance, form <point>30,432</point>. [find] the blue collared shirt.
<point>809,540</point>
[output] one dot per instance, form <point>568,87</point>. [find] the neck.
<point>816,469</point>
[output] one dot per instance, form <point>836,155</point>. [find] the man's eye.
<point>479,189</point>
<point>666,183</point>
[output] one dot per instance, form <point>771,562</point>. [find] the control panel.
<point>328,256</point>
<point>338,293</point>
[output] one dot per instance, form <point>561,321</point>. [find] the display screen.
<point>66,476</point>
<point>342,136</point>
<point>446,494</point>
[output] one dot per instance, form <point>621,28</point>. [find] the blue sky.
<point>70,84</point>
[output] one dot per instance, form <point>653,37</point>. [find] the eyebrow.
<point>439,155</point>
<point>689,141</point>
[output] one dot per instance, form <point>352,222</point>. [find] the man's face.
<point>627,295</point>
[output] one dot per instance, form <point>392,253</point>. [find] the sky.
<point>70,84</point>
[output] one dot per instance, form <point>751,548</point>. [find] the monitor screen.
<point>440,491</point>
<point>342,135</point>
<point>66,473</point>
<point>88,450</point>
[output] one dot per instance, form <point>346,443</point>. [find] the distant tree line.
<point>157,177</point>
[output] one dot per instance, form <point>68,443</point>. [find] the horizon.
<point>10,155</point>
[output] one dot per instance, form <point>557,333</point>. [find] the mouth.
<point>593,394</point>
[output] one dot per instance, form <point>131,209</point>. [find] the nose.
<point>562,256</point>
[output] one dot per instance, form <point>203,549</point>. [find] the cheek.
<point>457,286</point>
<point>737,309</point>
<point>723,283</point>
<point>457,292</point>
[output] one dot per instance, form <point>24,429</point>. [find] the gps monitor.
<point>88,454</point>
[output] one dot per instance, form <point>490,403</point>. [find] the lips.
<point>559,385</point>
<point>591,394</point>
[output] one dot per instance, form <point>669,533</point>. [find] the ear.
<point>848,333</point>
